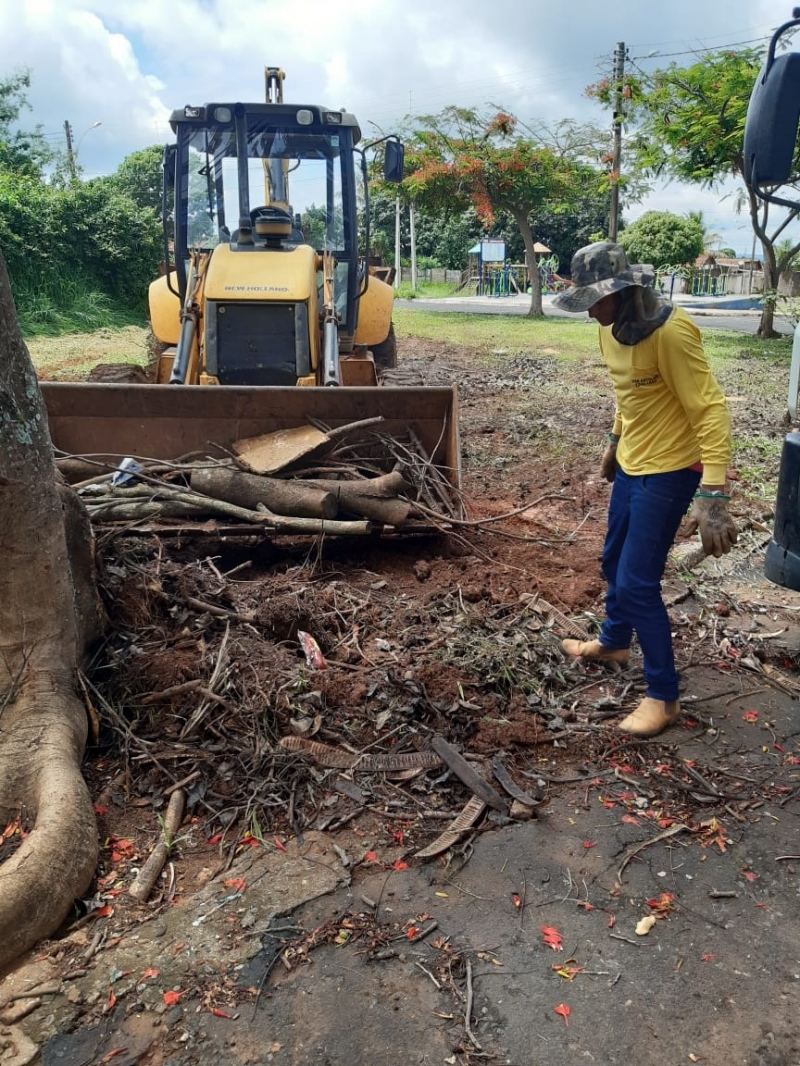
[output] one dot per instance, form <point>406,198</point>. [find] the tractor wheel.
<point>385,353</point>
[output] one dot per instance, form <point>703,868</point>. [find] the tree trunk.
<point>759,216</point>
<point>766,328</point>
<point>521,218</point>
<point>43,606</point>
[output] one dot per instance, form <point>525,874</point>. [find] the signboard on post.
<point>493,251</point>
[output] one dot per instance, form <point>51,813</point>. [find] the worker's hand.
<point>710,515</point>
<point>608,464</point>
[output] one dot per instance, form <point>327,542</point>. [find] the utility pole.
<point>619,77</point>
<point>70,152</point>
<point>397,268</point>
<point>413,226</point>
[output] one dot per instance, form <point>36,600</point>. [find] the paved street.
<point>710,313</point>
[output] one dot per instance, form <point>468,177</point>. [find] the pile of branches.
<point>209,661</point>
<point>377,482</point>
<point>206,676</point>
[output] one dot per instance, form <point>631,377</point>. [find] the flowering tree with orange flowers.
<point>460,158</point>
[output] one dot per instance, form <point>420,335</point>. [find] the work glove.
<point>608,464</point>
<point>710,515</point>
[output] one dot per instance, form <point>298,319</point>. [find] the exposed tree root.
<point>56,861</point>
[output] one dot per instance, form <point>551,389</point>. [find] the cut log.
<point>373,498</point>
<point>389,512</point>
<point>386,486</point>
<point>293,499</point>
<point>75,469</point>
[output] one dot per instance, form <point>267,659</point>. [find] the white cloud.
<point>129,64</point>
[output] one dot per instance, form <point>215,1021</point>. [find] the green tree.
<point>23,152</point>
<point>460,158</point>
<point>139,177</point>
<point>663,239</point>
<point>690,125</point>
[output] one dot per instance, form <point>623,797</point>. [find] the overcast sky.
<point>127,63</point>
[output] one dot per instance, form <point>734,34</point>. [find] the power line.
<point>712,37</point>
<point>450,90</point>
<point>702,48</point>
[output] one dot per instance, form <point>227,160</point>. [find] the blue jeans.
<point>643,518</point>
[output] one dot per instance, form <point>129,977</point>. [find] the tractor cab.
<point>265,208</point>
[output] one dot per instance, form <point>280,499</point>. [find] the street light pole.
<point>72,152</point>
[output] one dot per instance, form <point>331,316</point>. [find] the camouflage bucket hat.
<point>597,270</point>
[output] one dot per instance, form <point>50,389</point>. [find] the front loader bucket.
<point>108,422</point>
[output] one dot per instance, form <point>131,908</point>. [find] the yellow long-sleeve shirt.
<point>671,412</point>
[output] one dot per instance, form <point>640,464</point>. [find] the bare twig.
<point>468,1009</point>
<point>679,827</point>
<point>149,873</point>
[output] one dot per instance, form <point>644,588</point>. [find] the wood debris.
<point>351,480</point>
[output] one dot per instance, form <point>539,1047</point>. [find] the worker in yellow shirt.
<point>669,447</point>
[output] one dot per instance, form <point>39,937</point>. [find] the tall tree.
<point>690,125</point>
<point>460,158</point>
<point>139,177</point>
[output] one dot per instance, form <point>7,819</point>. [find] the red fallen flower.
<point>552,937</point>
<point>564,1011</point>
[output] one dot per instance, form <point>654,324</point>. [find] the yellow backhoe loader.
<point>266,237</point>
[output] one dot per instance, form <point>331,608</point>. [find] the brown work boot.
<point>650,717</point>
<point>593,649</point>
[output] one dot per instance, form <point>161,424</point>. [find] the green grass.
<point>70,356</point>
<point>514,333</point>
<point>85,311</point>
<point>576,337</point>
<point>426,290</point>
<point>722,345</point>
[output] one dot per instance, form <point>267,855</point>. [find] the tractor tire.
<point>385,353</point>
